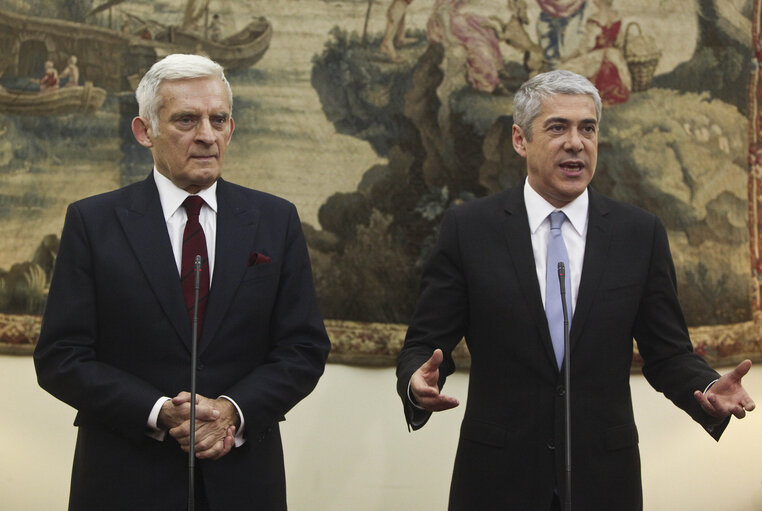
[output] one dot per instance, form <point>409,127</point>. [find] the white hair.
<point>174,67</point>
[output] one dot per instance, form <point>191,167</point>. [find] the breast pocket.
<point>256,293</point>
<point>616,306</point>
<point>261,272</point>
<point>622,292</point>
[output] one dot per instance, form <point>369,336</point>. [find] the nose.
<point>204,131</point>
<point>573,142</point>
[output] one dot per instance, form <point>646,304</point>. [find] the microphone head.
<point>197,262</point>
<point>561,269</point>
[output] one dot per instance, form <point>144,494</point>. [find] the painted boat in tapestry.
<point>112,59</point>
<point>238,51</point>
<point>65,100</point>
<point>195,34</point>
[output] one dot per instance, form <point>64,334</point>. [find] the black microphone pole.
<point>194,348</point>
<point>567,385</point>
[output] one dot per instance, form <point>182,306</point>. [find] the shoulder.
<point>485,212</point>
<point>110,199</point>
<point>623,216</point>
<point>237,199</point>
<point>606,204</point>
<point>249,197</point>
<point>489,205</point>
<point>477,218</point>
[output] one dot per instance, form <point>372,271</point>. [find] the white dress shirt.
<point>574,232</point>
<point>172,198</point>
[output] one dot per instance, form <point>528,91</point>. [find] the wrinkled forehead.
<point>207,94</point>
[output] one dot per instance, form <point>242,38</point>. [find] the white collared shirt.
<point>172,198</point>
<point>574,233</point>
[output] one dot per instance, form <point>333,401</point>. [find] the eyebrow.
<point>189,113</point>
<point>179,115</point>
<point>564,120</point>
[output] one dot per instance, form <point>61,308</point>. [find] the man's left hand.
<point>214,438</point>
<point>727,395</point>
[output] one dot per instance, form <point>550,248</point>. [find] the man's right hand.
<point>425,389</point>
<point>214,437</point>
<point>215,427</point>
<point>175,411</point>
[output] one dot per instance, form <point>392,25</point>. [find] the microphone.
<point>194,349</point>
<point>567,385</point>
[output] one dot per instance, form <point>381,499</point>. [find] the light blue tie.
<point>553,309</point>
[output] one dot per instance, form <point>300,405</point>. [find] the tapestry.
<point>376,116</point>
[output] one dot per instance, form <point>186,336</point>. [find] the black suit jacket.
<point>481,284</point>
<point>116,336</point>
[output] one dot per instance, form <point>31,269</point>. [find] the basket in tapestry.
<point>642,57</point>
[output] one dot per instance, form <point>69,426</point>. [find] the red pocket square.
<point>256,258</point>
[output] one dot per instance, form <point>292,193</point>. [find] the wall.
<point>347,448</point>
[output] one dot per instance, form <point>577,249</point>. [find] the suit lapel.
<point>597,246</point>
<point>237,221</point>
<point>519,244</point>
<point>143,222</point>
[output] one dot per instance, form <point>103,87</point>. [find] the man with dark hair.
<point>493,279</point>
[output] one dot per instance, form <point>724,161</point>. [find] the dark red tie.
<point>194,243</point>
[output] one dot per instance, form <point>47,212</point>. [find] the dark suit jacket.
<point>116,336</point>
<point>481,283</point>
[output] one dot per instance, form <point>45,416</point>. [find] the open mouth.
<point>572,167</point>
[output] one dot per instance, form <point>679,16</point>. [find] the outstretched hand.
<point>424,386</point>
<point>727,395</point>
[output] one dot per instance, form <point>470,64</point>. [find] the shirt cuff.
<point>710,384</point>
<point>412,400</point>
<point>153,430</point>
<point>239,439</point>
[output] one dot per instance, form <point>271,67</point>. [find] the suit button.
<point>551,445</point>
<point>199,367</point>
<point>561,391</point>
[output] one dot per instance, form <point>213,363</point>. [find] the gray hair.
<point>527,103</point>
<point>174,67</point>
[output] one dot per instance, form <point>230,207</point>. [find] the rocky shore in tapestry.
<point>672,149</point>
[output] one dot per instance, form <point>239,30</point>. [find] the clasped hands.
<point>216,423</point>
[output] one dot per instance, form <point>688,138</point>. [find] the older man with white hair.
<point>117,333</point>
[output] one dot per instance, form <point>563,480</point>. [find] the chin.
<point>206,175</point>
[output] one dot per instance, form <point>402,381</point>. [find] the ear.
<point>141,131</point>
<point>232,129</point>
<point>519,141</point>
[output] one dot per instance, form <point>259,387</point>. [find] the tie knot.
<point>557,219</point>
<point>192,204</point>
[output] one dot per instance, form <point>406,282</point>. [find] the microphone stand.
<point>194,348</point>
<point>567,385</point>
